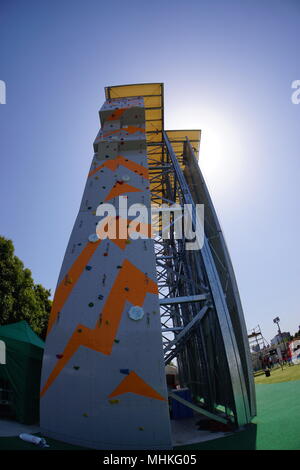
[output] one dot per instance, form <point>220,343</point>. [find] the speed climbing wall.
<point>103,380</point>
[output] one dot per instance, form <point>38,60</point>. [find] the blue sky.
<point>227,67</point>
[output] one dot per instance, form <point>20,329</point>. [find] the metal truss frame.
<point>197,330</point>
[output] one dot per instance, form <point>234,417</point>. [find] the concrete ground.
<point>9,427</point>
<point>186,432</point>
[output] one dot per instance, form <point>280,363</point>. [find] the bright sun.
<point>220,147</point>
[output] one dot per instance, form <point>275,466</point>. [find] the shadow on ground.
<point>242,440</point>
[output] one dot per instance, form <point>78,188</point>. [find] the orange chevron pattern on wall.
<point>66,286</point>
<point>131,285</point>
<point>132,383</point>
<point>120,160</point>
<point>128,130</point>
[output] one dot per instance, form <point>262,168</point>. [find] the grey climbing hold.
<point>136,313</point>
<point>93,238</point>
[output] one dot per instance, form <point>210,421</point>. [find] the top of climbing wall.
<point>153,94</point>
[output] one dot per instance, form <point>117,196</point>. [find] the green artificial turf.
<point>276,426</point>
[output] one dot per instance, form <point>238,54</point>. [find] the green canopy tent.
<point>22,371</point>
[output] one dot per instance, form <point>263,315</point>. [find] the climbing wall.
<point>103,382</point>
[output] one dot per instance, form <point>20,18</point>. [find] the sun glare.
<point>220,155</point>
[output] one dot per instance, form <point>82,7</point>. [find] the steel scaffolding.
<point>197,327</point>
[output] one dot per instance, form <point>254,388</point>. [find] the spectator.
<point>270,362</point>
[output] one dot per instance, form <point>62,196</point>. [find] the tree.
<point>20,297</point>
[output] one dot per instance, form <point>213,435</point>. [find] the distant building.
<point>294,351</point>
<point>285,336</point>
